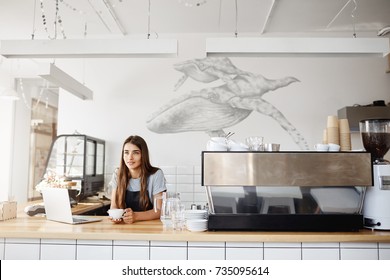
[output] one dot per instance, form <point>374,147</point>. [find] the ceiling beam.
<point>268,17</point>
<point>107,15</point>
<point>337,15</point>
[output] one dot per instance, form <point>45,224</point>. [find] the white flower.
<point>51,180</point>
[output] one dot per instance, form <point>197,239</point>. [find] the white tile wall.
<point>159,250</point>
<point>244,250</point>
<point>94,242</point>
<point>169,170</point>
<point>59,241</point>
<point>186,180</point>
<point>131,252</point>
<point>359,251</point>
<point>130,243</point>
<point>320,245</point>
<point>168,244</point>
<point>94,252</point>
<point>384,254</point>
<point>60,249</point>
<point>282,253</point>
<point>238,253</point>
<point>206,250</point>
<point>358,245</point>
<point>170,179</point>
<point>384,245</point>
<point>2,248</point>
<point>206,253</point>
<point>94,249</point>
<point>384,251</point>
<point>185,188</point>
<point>22,251</point>
<point>358,254</point>
<point>206,244</point>
<point>283,245</point>
<point>320,251</point>
<point>168,253</point>
<point>22,240</point>
<point>244,244</point>
<point>171,188</point>
<point>185,169</point>
<point>320,254</point>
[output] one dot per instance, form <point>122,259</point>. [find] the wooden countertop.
<point>38,227</point>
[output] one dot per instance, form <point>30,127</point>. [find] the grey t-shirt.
<point>156,183</point>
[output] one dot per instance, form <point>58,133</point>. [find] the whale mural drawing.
<point>214,109</point>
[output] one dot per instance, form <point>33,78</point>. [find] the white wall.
<point>7,132</point>
<point>127,91</point>
<point>7,112</point>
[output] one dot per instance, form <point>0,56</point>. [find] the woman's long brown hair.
<point>124,175</point>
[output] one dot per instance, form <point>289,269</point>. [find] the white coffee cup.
<point>321,147</point>
<point>237,146</point>
<point>216,146</point>
<point>116,214</point>
<point>334,147</point>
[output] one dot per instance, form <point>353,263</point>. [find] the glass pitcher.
<point>169,203</point>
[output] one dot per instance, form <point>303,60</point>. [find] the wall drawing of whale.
<point>214,109</point>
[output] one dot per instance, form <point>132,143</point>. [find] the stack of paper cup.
<point>345,135</point>
<point>325,136</point>
<point>332,129</point>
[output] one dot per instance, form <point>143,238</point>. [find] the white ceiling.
<point>130,17</point>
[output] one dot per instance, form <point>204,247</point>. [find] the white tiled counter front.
<point>34,238</point>
<point>165,250</point>
<point>48,249</point>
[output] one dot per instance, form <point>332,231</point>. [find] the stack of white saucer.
<point>196,220</point>
<point>195,214</point>
<point>196,224</point>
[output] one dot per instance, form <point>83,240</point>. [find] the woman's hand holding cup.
<point>116,215</point>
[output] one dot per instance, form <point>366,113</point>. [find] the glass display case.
<point>79,159</point>
<point>290,191</point>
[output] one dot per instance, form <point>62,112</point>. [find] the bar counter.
<point>35,238</point>
<point>38,227</point>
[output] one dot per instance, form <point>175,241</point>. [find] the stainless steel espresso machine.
<point>375,135</point>
<point>286,190</point>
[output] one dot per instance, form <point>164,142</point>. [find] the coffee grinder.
<point>375,135</point>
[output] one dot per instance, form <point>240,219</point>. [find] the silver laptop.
<point>57,207</point>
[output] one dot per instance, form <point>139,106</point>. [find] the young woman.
<point>136,183</point>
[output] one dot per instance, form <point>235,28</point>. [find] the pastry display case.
<point>79,159</point>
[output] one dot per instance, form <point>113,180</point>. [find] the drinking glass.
<point>255,143</point>
<point>177,215</point>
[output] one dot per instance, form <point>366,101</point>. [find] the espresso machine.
<point>286,190</point>
<point>375,135</point>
